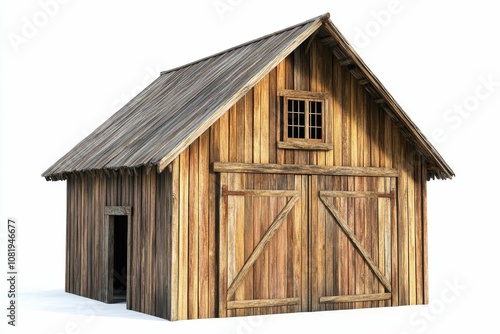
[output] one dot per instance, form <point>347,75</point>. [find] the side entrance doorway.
<point>117,231</point>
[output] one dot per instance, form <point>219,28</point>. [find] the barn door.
<point>353,225</point>
<point>261,244</point>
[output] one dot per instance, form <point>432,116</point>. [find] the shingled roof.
<point>168,115</point>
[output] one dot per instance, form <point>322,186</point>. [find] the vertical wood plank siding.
<point>362,135</point>
<point>149,194</point>
<point>175,219</point>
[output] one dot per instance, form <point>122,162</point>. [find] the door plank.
<point>262,303</point>
<point>261,245</point>
<point>357,243</point>
<point>356,298</point>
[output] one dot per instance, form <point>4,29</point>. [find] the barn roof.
<point>168,115</point>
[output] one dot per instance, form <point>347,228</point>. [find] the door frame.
<point>109,212</point>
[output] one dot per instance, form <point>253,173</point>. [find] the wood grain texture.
<point>355,298</point>
<point>262,303</point>
<point>366,256</point>
<point>231,167</point>
<point>261,245</point>
<point>179,259</point>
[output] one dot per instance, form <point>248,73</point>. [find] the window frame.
<point>303,143</point>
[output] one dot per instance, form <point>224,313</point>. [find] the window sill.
<point>296,145</point>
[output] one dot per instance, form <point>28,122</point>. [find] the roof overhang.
<point>165,146</point>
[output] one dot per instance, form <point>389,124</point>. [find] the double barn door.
<point>293,243</point>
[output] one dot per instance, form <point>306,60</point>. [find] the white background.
<point>68,66</point>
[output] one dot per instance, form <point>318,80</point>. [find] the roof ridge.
<point>323,18</point>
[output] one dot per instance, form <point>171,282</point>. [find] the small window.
<point>304,116</point>
<point>302,121</point>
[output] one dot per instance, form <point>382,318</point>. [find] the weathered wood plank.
<point>289,155</point>
<point>273,252</point>
<point>297,93</point>
<point>326,78</point>
<point>366,256</point>
<point>249,237</point>
<point>315,234</point>
<point>193,231</point>
<point>256,141</point>
<point>261,193</point>
<point>239,235</point>
<point>258,231</point>
<point>108,259</point>
<point>232,270</point>
<point>144,221</point>
<point>214,216</point>
<point>425,260</point>
<point>388,218</point>
<point>264,120</point>
<point>274,129</point>
<point>174,268</point>
<point>261,245</point>
<point>280,85</point>
<point>356,298</point>
<point>223,251</point>
<point>284,243</point>
<point>152,250</point>
<point>136,239</point>
<point>331,249</point>
<point>183,235</point>
<point>394,247</point>
<point>419,178</point>
<point>262,303</point>
<point>83,244</point>
<point>220,167</point>
<point>362,219</point>
<point>381,238</point>
<point>403,235</point>
<point>248,129</point>
<point>233,134</point>
<point>69,237</point>
<point>304,145</point>
<point>357,194</point>
<point>412,270</point>
<point>203,227</point>
<point>306,253</point>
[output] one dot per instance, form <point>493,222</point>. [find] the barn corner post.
<point>174,237</point>
<point>425,236</point>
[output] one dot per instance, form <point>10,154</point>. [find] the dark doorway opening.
<point>120,229</point>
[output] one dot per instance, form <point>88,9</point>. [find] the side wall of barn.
<point>149,195</point>
<point>362,135</point>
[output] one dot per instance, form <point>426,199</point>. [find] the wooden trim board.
<point>232,167</point>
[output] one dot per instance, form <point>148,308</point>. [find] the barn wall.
<point>149,195</point>
<point>362,134</point>
<point>194,239</point>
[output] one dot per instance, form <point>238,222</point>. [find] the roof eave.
<point>429,151</point>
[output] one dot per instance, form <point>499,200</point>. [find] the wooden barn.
<point>277,176</point>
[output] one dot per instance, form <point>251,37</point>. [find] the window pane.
<point>296,118</point>
<point>315,119</point>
